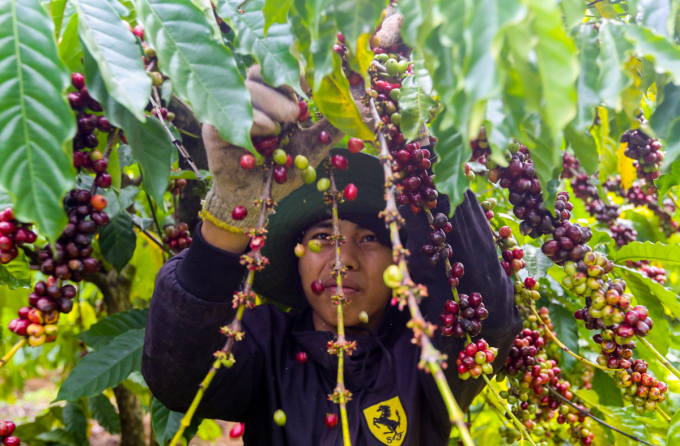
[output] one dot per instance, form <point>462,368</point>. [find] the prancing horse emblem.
<point>387,421</point>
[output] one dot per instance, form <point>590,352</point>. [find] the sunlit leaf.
<point>35,118</point>
<point>415,107</point>
<point>275,11</point>
<point>655,252</point>
<point>357,17</point>
<point>587,81</point>
<point>625,167</point>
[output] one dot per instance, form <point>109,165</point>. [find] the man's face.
<point>365,259</point>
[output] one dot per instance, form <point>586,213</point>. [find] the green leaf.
<point>58,436</point>
<point>557,63</point>
<point>584,148</point>
<point>35,118</point>
<point>69,45</point>
<point>149,141</point>
<point>417,23</point>
<point>666,122</point>
<point>17,273</point>
<point>609,394</point>
<point>118,57</point>
<point>452,155</point>
<point>166,423</point>
<point>275,11</point>
<point>586,85</point>
<point>656,252</point>
<point>323,33</point>
<point>203,71</point>
<point>415,107</point>
<point>548,161</point>
<point>668,181</point>
<point>104,368</point>
<point>537,262</point>
<point>75,423</point>
<point>613,52</point>
<point>674,430</point>
<point>57,8</point>
<point>104,412</point>
<point>566,330</point>
<point>357,17</point>
<point>112,326</point>
<point>278,65</point>
<point>335,101</point>
<point>118,241</point>
<point>665,54</point>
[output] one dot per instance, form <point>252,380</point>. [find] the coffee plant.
<point>560,116</point>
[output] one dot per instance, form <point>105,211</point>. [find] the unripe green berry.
<point>280,418</point>
<point>309,175</point>
<point>492,202</point>
<point>314,245</point>
<point>393,276</point>
<point>382,58</point>
<point>280,157</point>
<point>299,250</point>
<point>487,368</point>
<point>323,184</point>
<point>395,94</point>
<point>149,52</point>
<point>403,66</point>
<point>363,317</point>
<point>395,118</point>
<point>157,79</point>
<point>470,176</point>
<point>259,160</point>
<point>392,67</point>
<point>301,162</point>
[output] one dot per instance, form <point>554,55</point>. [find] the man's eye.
<point>370,238</point>
<point>321,236</point>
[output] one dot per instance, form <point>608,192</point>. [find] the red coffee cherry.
<point>301,357</point>
<point>331,420</point>
<point>239,213</point>
<point>351,192</point>
<point>355,145</point>
<point>325,137</point>
<point>248,161</point>
<point>339,162</point>
<point>318,287</point>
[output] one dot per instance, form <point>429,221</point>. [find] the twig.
<point>234,328</point>
<point>11,353</point>
<point>175,141</point>
<point>153,214</point>
<point>340,393</point>
<point>565,348</point>
<point>109,145</point>
<point>588,414</point>
<point>660,357</point>
<point>508,410</point>
<point>422,331</point>
<point>663,414</point>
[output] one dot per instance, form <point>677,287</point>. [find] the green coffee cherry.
<point>392,67</point>
<point>280,157</point>
<point>393,276</point>
<point>299,250</point>
<point>309,175</point>
<point>395,94</point>
<point>301,162</point>
<point>323,184</point>
<point>259,160</point>
<point>395,118</point>
<point>363,317</point>
<point>314,245</point>
<point>280,418</point>
<point>382,58</point>
<point>403,66</point>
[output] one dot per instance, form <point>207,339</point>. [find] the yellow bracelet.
<point>204,214</point>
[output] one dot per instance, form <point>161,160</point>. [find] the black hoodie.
<point>393,402</point>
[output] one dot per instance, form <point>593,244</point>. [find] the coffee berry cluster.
<point>39,319</point>
<point>567,242</point>
<point>6,431</point>
<point>655,273</point>
<point>72,256</point>
<point>525,193</point>
<point>480,148</point>
<point>438,249</point>
<point>476,358</point>
<point>85,154</point>
<point>526,292</point>
<point>587,276</point>
<point>464,316</point>
<point>12,235</point>
<point>177,237</point>
<point>640,387</point>
<point>522,356</point>
<point>646,153</point>
<point>512,256</point>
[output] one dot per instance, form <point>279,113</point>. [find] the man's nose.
<point>348,256</point>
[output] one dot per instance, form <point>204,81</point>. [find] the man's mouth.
<point>348,286</point>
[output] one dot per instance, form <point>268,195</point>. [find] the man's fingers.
<point>263,125</point>
<point>272,103</point>
<point>390,32</point>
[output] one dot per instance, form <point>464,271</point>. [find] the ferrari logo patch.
<point>387,421</point>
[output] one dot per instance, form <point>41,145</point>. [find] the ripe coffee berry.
<point>280,174</point>
<point>98,202</point>
<point>301,357</point>
<point>324,137</point>
<point>331,420</point>
<point>318,287</point>
<point>248,161</point>
<point>339,162</point>
<point>239,213</point>
<point>237,430</point>
<point>355,145</point>
<point>351,192</point>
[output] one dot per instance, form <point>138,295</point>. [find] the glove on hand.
<point>234,186</point>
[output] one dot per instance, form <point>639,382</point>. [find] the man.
<point>393,402</point>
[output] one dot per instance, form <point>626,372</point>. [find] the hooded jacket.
<point>393,401</point>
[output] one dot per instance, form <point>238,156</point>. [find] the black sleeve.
<point>191,301</point>
<point>473,245</point>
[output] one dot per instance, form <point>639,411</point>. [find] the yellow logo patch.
<point>387,421</point>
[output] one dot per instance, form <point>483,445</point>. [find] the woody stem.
<point>430,356</point>
<point>339,271</point>
<point>234,326</point>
